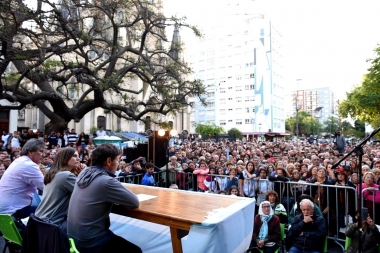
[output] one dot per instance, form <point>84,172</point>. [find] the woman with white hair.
<point>266,229</point>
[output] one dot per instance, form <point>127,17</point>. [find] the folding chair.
<point>282,236</point>
<point>73,249</point>
<point>10,232</point>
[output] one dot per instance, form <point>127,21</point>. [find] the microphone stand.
<point>358,150</point>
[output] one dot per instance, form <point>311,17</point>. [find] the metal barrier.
<point>337,202</point>
<point>366,202</point>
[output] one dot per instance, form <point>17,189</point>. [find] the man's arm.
<point>351,229</point>
<point>33,176</point>
<point>117,193</point>
<point>296,227</point>
<point>320,232</point>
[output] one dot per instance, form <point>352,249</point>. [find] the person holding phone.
<point>370,235</point>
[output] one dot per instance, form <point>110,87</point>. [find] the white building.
<point>240,64</point>
<point>319,102</point>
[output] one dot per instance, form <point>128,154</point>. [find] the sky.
<point>326,43</point>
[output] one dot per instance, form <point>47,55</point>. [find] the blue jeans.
<point>26,211</point>
<point>295,249</point>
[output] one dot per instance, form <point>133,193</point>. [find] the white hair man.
<point>308,230</point>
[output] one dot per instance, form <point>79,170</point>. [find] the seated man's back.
<point>94,193</point>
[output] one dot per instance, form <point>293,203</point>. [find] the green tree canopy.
<point>70,57</point>
<point>307,124</point>
<point>208,128</point>
<point>235,131</point>
<point>363,102</point>
<point>331,125</point>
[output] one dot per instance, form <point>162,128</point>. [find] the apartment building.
<point>240,64</point>
<point>319,102</point>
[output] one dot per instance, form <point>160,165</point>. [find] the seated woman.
<point>370,236</point>
<point>266,229</point>
<point>59,184</point>
<point>277,207</point>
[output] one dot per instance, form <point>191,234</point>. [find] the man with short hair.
<point>21,180</point>
<point>308,231</point>
<point>53,139</point>
<point>95,192</point>
<point>5,137</point>
<point>101,132</point>
<point>72,138</point>
<point>6,162</point>
<point>148,178</point>
<point>173,168</point>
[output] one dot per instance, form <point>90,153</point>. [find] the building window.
<point>238,88</point>
<point>222,122</point>
<point>230,88</point>
<point>252,75</point>
<point>249,87</point>
<point>239,100</point>
<point>230,120</point>
<point>211,104</point>
<point>229,98</point>
<point>248,121</point>
<point>230,109</point>
<point>239,122</point>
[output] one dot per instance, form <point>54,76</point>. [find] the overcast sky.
<point>325,42</point>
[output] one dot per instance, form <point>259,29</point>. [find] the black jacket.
<point>314,233</point>
<point>44,237</point>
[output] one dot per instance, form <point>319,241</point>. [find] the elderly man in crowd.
<point>308,230</point>
<point>173,168</point>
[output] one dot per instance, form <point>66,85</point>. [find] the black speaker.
<point>157,150</point>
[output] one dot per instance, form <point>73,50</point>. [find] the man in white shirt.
<point>21,180</point>
<point>5,137</point>
<point>101,132</point>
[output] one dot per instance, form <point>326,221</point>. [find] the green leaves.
<point>363,102</point>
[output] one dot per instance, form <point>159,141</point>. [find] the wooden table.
<point>174,208</point>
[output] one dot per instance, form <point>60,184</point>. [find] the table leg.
<point>176,240</point>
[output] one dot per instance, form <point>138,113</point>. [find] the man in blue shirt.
<point>148,178</point>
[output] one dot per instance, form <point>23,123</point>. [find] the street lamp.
<point>163,133</point>
<point>259,139</point>
<point>330,126</point>
<point>297,109</point>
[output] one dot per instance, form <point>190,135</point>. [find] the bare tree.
<point>97,50</point>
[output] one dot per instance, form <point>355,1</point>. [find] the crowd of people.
<point>293,182</point>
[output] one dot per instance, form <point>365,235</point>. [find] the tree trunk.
<point>58,127</point>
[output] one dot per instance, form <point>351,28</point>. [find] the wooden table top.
<point>177,205</point>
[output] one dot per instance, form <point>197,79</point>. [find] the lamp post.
<point>330,126</point>
<point>297,109</point>
<point>259,139</point>
<point>167,135</point>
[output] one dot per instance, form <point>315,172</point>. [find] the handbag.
<point>270,244</point>
<point>253,250</point>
